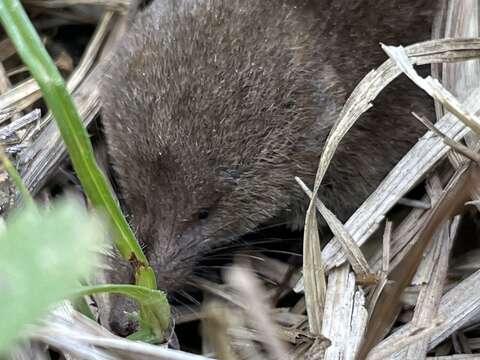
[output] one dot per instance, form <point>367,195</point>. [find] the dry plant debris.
<point>339,304</point>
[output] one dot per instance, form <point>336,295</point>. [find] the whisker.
<point>184,304</point>
<point>226,267</point>
<point>252,243</point>
<point>227,257</point>
<point>271,226</point>
<point>189,297</point>
<point>194,278</point>
<point>280,252</point>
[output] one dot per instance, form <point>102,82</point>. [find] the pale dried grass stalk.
<point>430,294</point>
<point>20,96</point>
<point>418,161</point>
<point>5,83</point>
<point>314,276</point>
<point>457,307</point>
<point>19,124</point>
<point>252,295</point>
<point>385,261</point>
<point>352,251</point>
<point>215,329</point>
<point>92,51</point>
<point>432,87</point>
<point>416,334</point>
<point>345,315</point>
<point>387,239</point>
<point>424,272</point>
<point>455,357</point>
<point>455,145</point>
<point>70,331</point>
<point>461,21</point>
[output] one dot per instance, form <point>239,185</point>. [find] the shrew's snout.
<point>174,257</point>
<point>172,271</point>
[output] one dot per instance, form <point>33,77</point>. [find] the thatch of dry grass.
<point>405,298</point>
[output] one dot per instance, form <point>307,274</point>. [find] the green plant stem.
<point>33,53</point>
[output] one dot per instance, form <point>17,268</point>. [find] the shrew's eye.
<point>203,214</point>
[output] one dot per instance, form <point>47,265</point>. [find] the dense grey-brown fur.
<point>212,107</point>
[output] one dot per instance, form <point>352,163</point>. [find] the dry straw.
<point>340,315</point>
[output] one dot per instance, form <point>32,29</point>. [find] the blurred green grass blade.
<point>153,304</point>
<point>43,253</point>
<point>34,55</point>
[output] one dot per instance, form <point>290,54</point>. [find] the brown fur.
<point>218,104</point>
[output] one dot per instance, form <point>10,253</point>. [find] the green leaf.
<point>43,254</point>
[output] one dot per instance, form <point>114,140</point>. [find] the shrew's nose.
<point>174,258</point>
<point>122,318</point>
<point>123,327</point>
